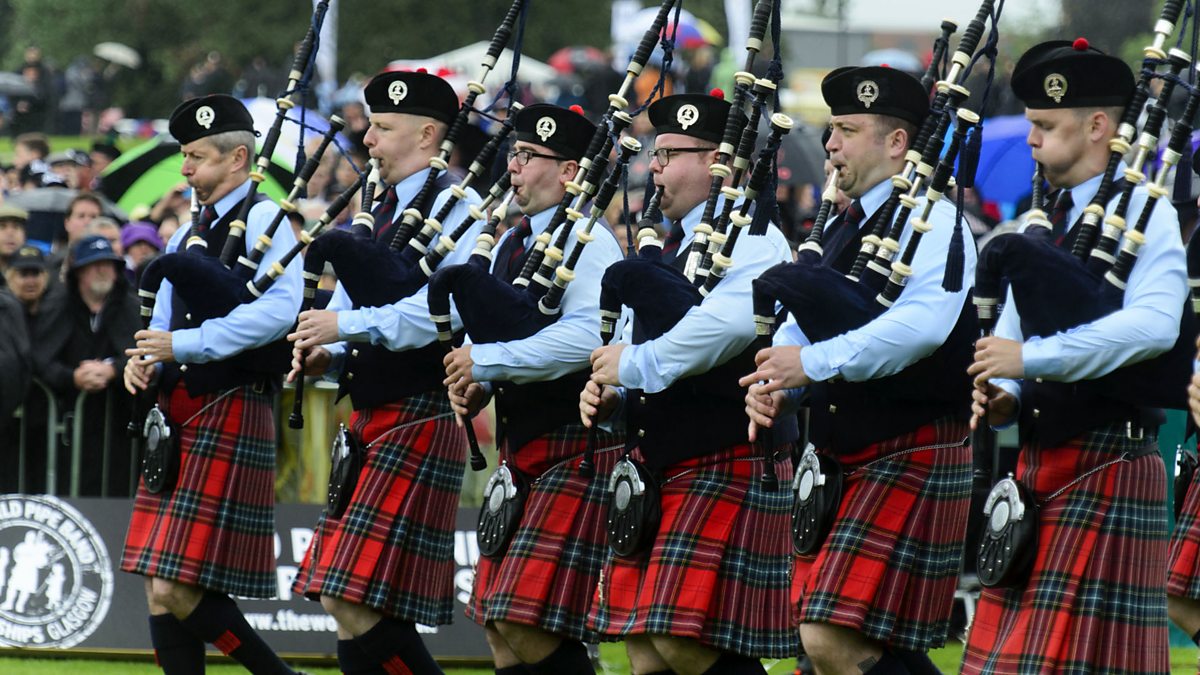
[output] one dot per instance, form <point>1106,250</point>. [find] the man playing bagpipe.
<point>210,535</point>
<point>876,592</point>
<point>708,592</point>
<point>533,596</point>
<point>386,562</point>
<point>1095,599</point>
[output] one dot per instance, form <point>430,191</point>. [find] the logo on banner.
<point>56,580</point>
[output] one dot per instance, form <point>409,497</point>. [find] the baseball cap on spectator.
<point>92,249</point>
<point>140,231</point>
<point>10,212</point>
<point>28,258</point>
<point>69,156</point>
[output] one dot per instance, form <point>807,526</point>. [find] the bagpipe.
<point>660,294</point>
<point>211,286</point>
<point>826,302</point>
<point>1088,282</point>
<point>377,273</point>
<point>1057,289</point>
<point>546,255</point>
<point>495,310</point>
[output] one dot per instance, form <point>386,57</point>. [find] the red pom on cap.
<point>884,65</point>
<point>422,70</point>
<point>717,92</point>
<point>1080,45</point>
<point>577,109</point>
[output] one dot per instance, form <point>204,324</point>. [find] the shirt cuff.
<point>815,361</point>
<point>629,375</point>
<point>1039,358</point>
<point>337,360</point>
<point>186,345</point>
<point>487,364</point>
<point>351,324</point>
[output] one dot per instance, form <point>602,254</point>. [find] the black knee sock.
<point>352,660</point>
<point>218,620</point>
<point>1196,637</point>
<point>519,669</point>
<point>918,663</point>
<point>570,657</point>
<point>177,650</point>
<point>736,664</point>
<point>397,648</point>
<point>888,664</point>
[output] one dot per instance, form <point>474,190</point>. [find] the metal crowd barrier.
<point>302,465</point>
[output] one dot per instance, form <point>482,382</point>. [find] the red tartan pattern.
<point>1096,599</point>
<point>889,566</point>
<point>215,529</point>
<point>393,548</point>
<point>549,573</point>
<point>717,571</point>
<point>1184,578</point>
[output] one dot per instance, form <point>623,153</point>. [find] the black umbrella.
<point>47,209</point>
<point>802,157</point>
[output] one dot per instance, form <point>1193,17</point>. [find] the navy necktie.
<point>510,257</point>
<point>385,213</point>
<point>842,231</point>
<point>1058,214</point>
<point>670,247</point>
<point>207,217</point>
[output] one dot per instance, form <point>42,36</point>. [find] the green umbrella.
<point>141,176</point>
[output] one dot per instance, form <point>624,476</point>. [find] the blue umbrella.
<point>1005,162</point>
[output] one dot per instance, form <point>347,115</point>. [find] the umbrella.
<point>801,157</point>
<point>692,32</point>
<point>141,176</point>
<point>263,111</point>
<point>115,52</point>
<point>574,59</point>
<point>1005,161</point>
<point>12,84</point>
<point>48,206</point>
<point>465,61</point>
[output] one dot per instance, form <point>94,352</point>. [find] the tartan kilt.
<point>889,566</point>
<point>717,571</point>
<point>393,548</point>
<point>549,573</point>
<point>1183,579</point>
<point>1096,600</point>
<point>216,529</point>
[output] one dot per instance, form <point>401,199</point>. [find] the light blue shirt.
<point>1147,323</point>
<point>249,325</point>
<point>404,324</point>
<point>914,326</point>
<point>714,331</point>
<point>566,345</point>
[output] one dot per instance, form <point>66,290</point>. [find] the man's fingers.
<point>771,386</point>
<point>751,379</point>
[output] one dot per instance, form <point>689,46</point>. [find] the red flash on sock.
<point>395,666</point>
<point>227,643</point>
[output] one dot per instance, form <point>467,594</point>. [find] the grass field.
<point>1183,662</point>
